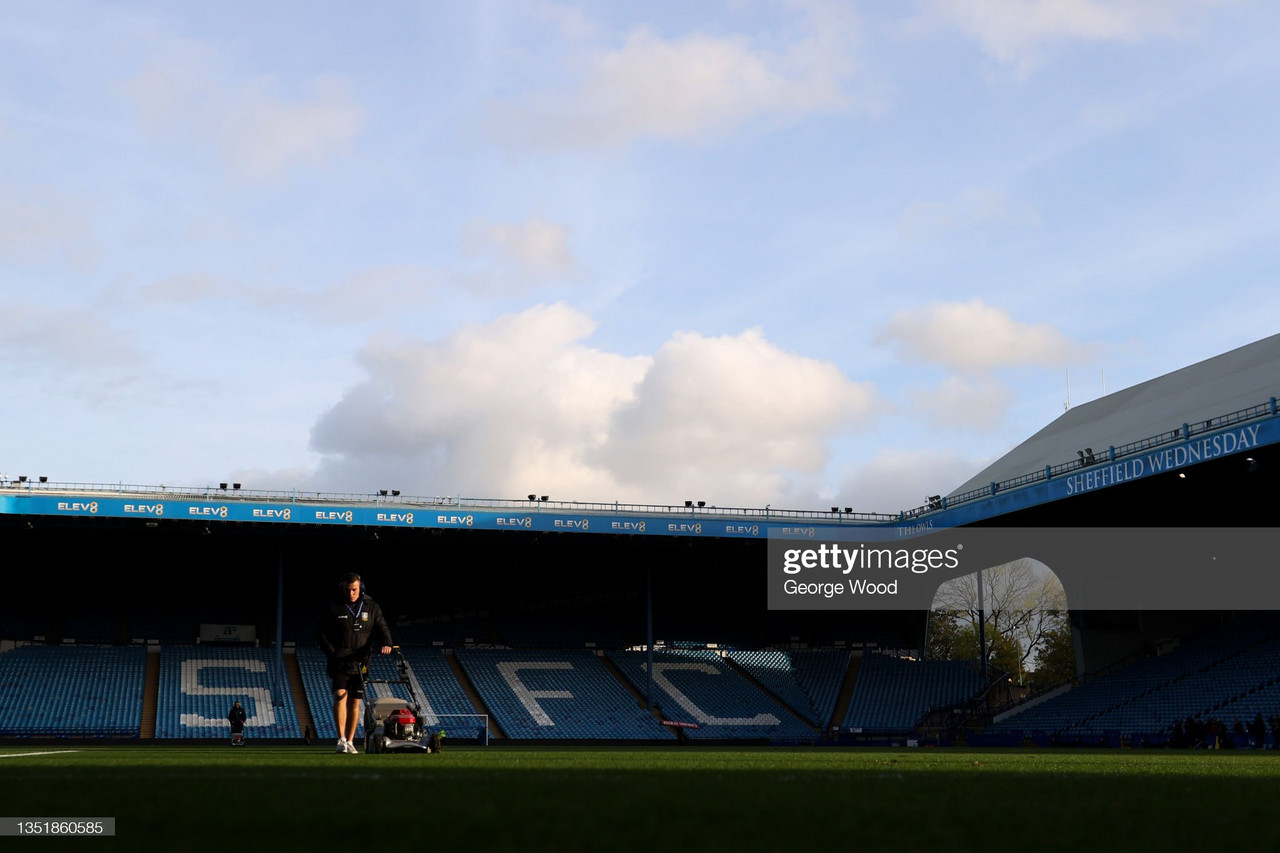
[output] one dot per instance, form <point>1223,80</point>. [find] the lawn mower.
<point>391,724</point>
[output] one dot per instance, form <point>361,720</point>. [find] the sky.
<point>752,252</point>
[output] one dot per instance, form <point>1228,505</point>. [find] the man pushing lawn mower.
<point>348,632</point>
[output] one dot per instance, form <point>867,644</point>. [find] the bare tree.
<point>1020,601</point>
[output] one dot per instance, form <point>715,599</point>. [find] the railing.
<point>221,493</point>
<point>295,496</point>
<point>1111,454</point>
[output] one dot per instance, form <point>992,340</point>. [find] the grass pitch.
<point>652,799</point>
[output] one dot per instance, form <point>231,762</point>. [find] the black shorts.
<point>350,681</point>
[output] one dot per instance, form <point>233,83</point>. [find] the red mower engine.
<point>401,725</point>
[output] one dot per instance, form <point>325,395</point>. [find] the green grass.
<point>652,799</point>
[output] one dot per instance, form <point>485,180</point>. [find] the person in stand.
<point>348,632</point>
<point>236,716</point>
<point>1258,732</point>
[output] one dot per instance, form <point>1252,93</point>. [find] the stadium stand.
<point>711,697</point>
<point>821,674</point>
<point>808,681</point>
<point>444,702</point>
<point>564,694</point>
<point>91,628</point>
<point>892,694</point>
<point>447,632</point>
<point>553,590</point>
<point>545,629</point>
<point>167,631</point>
<point>24,625</point>
<point>72,691</point>
<point>1228,673</point>
<point>199,683</point>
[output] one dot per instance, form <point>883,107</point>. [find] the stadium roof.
<point>1233,381</point>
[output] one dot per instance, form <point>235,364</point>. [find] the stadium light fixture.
<point>702,504</point>
<point>235,485</point>
<point>22,478</point>
<point>848,509</point>
<point>45,479</point>
<point>544,499</point>
<point>533,497</point>
<point>382,492</point>
<point>222,486</point>
<point>688,504</point>
<point>835,509</point>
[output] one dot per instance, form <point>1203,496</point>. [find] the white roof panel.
<point>1220,385</point>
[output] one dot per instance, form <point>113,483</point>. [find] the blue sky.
<point>786,253</point>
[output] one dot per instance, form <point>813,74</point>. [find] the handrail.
<point>1269,408</point>
<point>294,496</point>
<point>1111,454</point>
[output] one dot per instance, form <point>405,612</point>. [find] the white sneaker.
<point>342,746</point>
<point>351,747</point>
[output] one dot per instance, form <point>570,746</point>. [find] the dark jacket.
<point>348,634</point>
<point>236,716</point>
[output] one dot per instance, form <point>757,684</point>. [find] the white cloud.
<point>274,479</point>
<point>523,405</point>
<point>535,246</point>
<point>691,87</point>
<point>498,409</point>
<point>975,207</point>
<point>1019,32</point>
<point>258,134</point>
<point>973,337</point>
<point>363,296</point>
<point>66,339</point>
<point>40,224</point>
<point>902,479</point>
<point>959,403</point>
<point>730,419</point>
<point>185,289</point>
<point>570,22</point>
